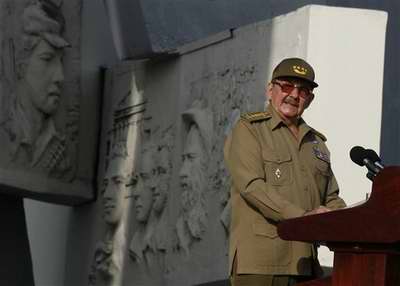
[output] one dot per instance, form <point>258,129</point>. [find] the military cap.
<point>297,68</point>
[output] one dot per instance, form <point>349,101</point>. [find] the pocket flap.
<point>272,156</point>
<point>265,229</point>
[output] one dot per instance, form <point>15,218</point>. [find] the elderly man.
<point>28,132</point>
<point>280,169</point>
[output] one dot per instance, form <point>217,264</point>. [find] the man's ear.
<point>268,90</point>
<point>21,67</point>
<point>309,100</point>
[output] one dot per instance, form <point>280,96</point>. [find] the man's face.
<point>191,174</point>
<point>163,171</point>
<point>143,192</point>
<point>44,75</point>
<point>114,191</point>
<point>290,97</point>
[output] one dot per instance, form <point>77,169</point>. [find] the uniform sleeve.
<point>243,157</point>
<point>332,200</point>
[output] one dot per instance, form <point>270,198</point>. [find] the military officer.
<point>280,168</point>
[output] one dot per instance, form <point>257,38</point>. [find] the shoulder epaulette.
<point>255,116</point>
<point>319,134</point>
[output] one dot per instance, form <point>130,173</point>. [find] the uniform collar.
<point>275,120</point>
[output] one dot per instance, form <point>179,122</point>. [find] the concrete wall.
<point>348,104</point>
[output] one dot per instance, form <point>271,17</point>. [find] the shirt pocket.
<point>265,229</point>
<point>271,249</point>
<point>278,170</point>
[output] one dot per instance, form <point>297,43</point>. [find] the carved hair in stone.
<point>28,131</point>
<point>193,175</point>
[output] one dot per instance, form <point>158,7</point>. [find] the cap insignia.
<point>300,70</point>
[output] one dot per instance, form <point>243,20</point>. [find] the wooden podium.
<point>365,238</point>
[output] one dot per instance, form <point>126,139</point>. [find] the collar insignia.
<point>278,173</point>
<point>255,116</point>
<point>321,155</point>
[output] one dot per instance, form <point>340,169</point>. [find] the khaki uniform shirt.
<point>275,177</point>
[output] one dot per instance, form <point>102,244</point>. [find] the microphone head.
<point>357,155</point>
<point>371,154</point>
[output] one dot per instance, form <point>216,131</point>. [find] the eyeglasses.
<point>304,91</point>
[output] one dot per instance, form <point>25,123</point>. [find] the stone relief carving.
<point>28,131</point>
<point>119,160</point>
<point>192,221</point>
<point>142,190</point>
<point>152,235</point>
<point>109,253</point>
<point>229,88</point>
<point>169,226</point>
<point>159,237</point>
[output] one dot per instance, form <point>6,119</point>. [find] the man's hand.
<point>318,210</point>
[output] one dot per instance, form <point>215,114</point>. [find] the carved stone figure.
<point>108,255</point>
<point>163,175</point>
<point>158,227</point>
<point>28,132</point>
<point>193,175</point>
<point>143,187</point>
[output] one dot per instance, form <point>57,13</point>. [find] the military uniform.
<point>275,177</point>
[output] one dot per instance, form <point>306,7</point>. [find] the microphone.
<point>368,158</point>
<point>371,154</point>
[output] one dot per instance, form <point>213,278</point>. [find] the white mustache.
<point>291,100</point>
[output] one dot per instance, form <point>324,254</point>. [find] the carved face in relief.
<point>114,190</point>
<point>192,172</point>
<point>143,190</point>
<point>163,172</point>
<point>44,77</point>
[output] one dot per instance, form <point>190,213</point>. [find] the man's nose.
<point>153,183</point>
<point>58,76</point>
<point>295,92</point>
<point>108,193</point>
<point>183,173</point>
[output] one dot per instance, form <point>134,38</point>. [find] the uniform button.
<point>306,189</point>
